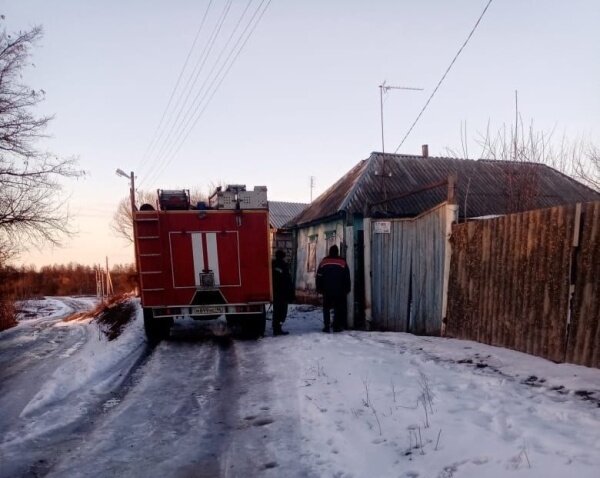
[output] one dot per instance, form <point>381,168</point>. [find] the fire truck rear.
<point>204,261</point>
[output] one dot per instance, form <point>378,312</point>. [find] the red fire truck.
<point>204,261</point>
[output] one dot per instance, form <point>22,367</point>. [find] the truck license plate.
<point>208,309</point>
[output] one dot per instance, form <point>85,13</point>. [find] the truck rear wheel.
<point>247,326</point>
<point>256,325</point>
<point>156,329</point>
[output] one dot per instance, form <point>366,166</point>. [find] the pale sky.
<point>301,99</point>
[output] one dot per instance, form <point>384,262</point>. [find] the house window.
<point>311,257</point>
<point>330,240</point>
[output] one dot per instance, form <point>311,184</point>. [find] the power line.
<point>212,94</point>
<point>195,73</point>
<point>208,96</point>
<point>183,68</point>
<point>443,76</point>
<point>176,129</point>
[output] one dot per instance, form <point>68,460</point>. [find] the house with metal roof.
<point>404,187</point>
<point>280,213</point>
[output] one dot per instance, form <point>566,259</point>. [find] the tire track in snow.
<point>170,419</point>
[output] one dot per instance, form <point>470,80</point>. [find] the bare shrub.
<point>7,314</point>
<point>426,396</point>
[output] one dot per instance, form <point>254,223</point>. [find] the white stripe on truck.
<point>213,255</point>
<point>198,254</point>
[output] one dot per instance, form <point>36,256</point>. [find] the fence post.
<point>451,216</point>
<point>572,274</point>
<point>367,272</point>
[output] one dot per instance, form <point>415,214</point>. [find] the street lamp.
<point>131,178</point>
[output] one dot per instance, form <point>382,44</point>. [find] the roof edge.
<point>319,220</point>
<point>366,169</point>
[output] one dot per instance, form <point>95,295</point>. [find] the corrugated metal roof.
<point>332,200</point>
<point>483,186</point>
<point>281,212</point>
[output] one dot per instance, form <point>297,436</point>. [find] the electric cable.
<point>187,59</point>
<point>200,63</point>
<point>443,77</point>
<point>168,145</point>
<point>187,129</point>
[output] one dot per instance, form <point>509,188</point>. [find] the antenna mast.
<point>384,88</point>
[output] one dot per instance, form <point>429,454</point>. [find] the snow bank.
<point>92,367</point>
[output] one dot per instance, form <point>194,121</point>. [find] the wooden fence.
<point>408,259</point>
<point>529,282</point>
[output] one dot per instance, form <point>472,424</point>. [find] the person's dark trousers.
<point>338,304</point>
<point>280,310</point>
<point>327,304</point>
<point>340,310</point>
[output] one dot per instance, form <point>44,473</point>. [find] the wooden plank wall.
<point>510,283</point>
<point>407,270</point>
<point>391,256</point>
<point>428,272</point>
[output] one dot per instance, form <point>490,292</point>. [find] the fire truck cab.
<point>204,261</point>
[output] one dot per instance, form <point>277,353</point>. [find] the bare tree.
<point>586,166</point>
<point>122,223</point>
<point>31,207</point>
<point>519,148</point>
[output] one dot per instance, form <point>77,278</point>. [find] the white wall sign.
<point>382,227</point>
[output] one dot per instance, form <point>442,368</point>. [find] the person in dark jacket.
<point>283,291</point>
<point>333,281</point>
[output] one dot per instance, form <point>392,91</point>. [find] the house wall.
<point>305,278</point>
<point>284,240</point>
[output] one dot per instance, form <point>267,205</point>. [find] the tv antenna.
<point>384,88</point>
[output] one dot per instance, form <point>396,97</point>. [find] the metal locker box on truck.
<point>204,261</point>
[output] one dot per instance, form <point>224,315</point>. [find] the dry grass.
<point>112,315</point>
<point>7,315</point>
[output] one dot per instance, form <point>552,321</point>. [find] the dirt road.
<point>191,406</point>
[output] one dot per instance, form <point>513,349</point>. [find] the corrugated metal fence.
<point>529,282</point>
<point>407,272</point>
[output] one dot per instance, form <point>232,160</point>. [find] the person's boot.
<point>277,330</point>
<point>326,329</point>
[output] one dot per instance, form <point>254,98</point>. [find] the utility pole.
<point>516,121</point>
<point>131,178</point>
<point>384,88</point>
<point>109,284</point>
<point>98,283</point>
<point>132,192</point>
<point>101,282</point>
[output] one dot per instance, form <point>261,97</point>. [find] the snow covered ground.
<point>389,404</point>
<point>353,404</point>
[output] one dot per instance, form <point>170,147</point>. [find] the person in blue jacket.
<point>333,281</point>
